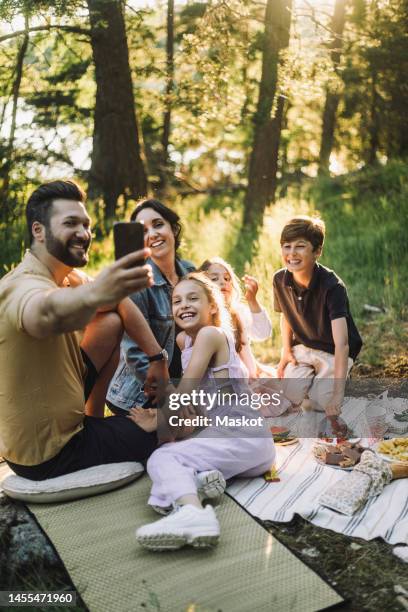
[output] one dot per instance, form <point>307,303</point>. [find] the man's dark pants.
<point>110,440</point>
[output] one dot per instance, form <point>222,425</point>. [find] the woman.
<point>162,235</point>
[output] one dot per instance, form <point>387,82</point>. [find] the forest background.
<point>237,113</point>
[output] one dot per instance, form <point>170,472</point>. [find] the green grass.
<point>366,216</point>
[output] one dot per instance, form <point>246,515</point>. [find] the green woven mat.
<point>249,570</point>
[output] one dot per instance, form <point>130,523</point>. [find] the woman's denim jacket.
<point>125,389</point>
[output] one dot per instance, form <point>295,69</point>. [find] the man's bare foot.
<point>146,418</point>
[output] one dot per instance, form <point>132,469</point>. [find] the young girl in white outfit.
<point>250,320</point>
<point>180,470</point>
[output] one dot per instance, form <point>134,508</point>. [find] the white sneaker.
<point>163,510</point>
<point>187,524</point>
<point>210,485</point>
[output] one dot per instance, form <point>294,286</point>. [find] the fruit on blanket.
<point>402,416</point>
<point>272,475</point>
<point>281,434</point>
<point>334,427</point>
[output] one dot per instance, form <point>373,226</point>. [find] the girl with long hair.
<point>186,470</point>
<point>250,320</point>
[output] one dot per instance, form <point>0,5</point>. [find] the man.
<point>59,345</point>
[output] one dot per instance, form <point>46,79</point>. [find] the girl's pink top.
<point>235,379</point>
<point>234,367</point>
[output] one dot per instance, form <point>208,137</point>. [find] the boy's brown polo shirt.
<point>310,311</point>
<point>42,390</point>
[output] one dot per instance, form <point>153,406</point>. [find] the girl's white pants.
<point>173,466</point>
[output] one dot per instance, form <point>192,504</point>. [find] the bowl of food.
<point>394,450</point>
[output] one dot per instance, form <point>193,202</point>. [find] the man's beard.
<point>62,252</point>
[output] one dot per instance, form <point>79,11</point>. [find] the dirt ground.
<point>364,573</point>
<point>385,349</point>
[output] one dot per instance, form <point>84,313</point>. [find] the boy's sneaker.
<point>187,524</point>
<point>210,485</point>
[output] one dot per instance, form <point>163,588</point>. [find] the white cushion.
<point>83,483</point>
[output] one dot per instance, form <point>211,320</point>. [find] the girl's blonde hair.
<point>221,318</point>
<point>235,282</point>
<point>236,297</point>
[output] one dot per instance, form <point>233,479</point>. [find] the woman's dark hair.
<point>167,214</point>
<point>39,205</point>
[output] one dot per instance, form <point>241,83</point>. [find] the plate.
<point>324,443</point>
<point>387,457</point>
<point>287,442</point>
<point>335,467</point>
<point>329,465</point>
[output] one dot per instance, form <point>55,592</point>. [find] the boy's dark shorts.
<point>109,440</point>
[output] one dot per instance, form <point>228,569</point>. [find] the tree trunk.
<point>8,164</point>
<point>117,167</point>
<point>264,156</point>
<point>374,127</point>
<point>169,82</point>
<point>374,111</point>
<point>332,97</point>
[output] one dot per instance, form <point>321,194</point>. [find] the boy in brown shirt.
<point>319,338</point>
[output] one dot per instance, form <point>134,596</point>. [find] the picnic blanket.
<point>303,480</point>
<point>249,570</point>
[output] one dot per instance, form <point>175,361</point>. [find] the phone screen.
<point>128,237</point>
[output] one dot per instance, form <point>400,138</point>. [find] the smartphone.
<point>128,237</point>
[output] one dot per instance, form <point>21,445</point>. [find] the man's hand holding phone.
<point>122,278</point>
<point>129,273</point>
<point>128,237</point>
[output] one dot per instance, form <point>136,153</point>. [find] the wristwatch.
<point>160,356</point>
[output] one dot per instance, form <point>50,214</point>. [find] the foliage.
<point>217,70</point>
<point>60,8</point>
<point>367,224</point>
<point>12,245</point>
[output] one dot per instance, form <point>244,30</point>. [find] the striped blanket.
<point>302,480</point>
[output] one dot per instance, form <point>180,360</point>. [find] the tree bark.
<point>8,164</point>
<point>46,28</point>
<point>169,81</point>
<point>332,97</point>
<point>374,110</point>
<point>264,156</point>
<point>117,167</point>
<point>374,127</point>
